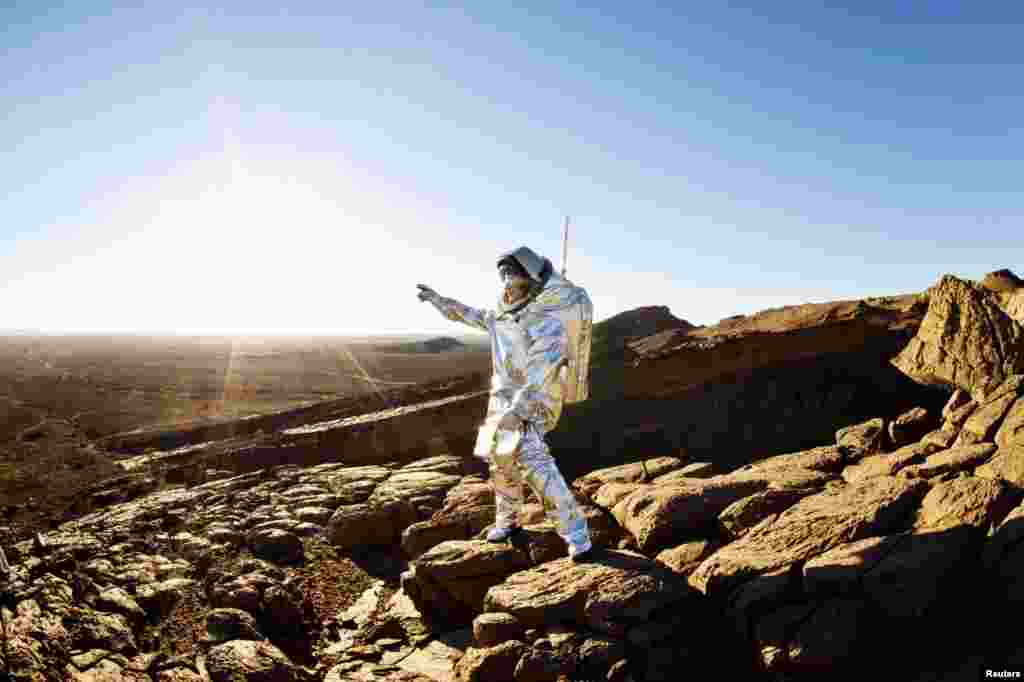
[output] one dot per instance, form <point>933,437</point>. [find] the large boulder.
<point>275,544</point>
<point>1007,464</point>
<point>812,526</point>
<point>905,585</point>
<point>984,423</point>
<point>911,426</point>
<point>861,440</point>
<point>373,523</point>
<point>1009,289</point>
<point>94,630</point>
<point>957,399</point>
<point>613,594</point>
<point>744,514</point>
<point>691,470</point>
<point>953,460</point>
<point>972,502</point>
<point>768,383</point>
<point>243,660</point>
<point>941,439</point>
<point>468,509</point>
<point>889,464</point>
<point>954,419</point>
<point>356,484</point>
<point>1013,304</point>
<point>490,629</point>
<point>158,599</point>
<point>449,581</point>
<point>659,516</point>
<point>223,625</point>
<point>918,585</point>
<point>685,558</point>
<point>387,502</point>
<point>1002,281</point>
<point>644,471</point>
<point>423,489</point>
<point>493,663</point>
<point>1012,430</point>
<point>966,340</point>
<point>828,458</point>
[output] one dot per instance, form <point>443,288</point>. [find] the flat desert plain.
<point>106,384</point>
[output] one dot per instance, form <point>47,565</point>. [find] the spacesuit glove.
<point>426,293</point>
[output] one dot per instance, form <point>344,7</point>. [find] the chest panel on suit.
<point>510,344</point>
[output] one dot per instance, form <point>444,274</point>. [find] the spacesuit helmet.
<point>536,267</point>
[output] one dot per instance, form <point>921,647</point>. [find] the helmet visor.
<point>508,269</point>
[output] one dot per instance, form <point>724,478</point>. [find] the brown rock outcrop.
<point>244,660</point>
<point>984,422</point>
<point>911,426</point>
<point>613,594</point>
<point>468,509</point>
<point>811,527</point>
<point>449,581</point>
<point>889,464</point>
<point>966,340</point>
<point>685,558</point>
<point>962,458</point>
<point>490,629</point>
<point>863,440</point>
<point>1006,464</point>
<point>1012,430</point>
<point>495,663</point>
<point>742,515</point>
<point>977,503</point>
<point>735,389</point>
<point>657,516</point>
<point>635,472</point>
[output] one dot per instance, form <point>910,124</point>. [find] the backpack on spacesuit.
<point>578,319</point>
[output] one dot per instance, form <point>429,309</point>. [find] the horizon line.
<point>224,333</point>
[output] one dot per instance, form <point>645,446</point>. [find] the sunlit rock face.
<point>967,339</point>
<point>752,386</point>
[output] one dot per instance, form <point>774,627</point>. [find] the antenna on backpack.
<point>565,244</point>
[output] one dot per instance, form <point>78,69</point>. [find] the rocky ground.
<point>899,540</point>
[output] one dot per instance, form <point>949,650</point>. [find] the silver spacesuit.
<point>530,355</point>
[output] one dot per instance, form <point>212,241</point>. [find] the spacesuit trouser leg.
<point>508,489</point>
<point>539,470</point>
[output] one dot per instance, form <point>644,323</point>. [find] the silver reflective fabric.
<point>529,259</point>
<point>576,313</point>
<point>570,304</point>
<point>536,369</point>
<point>533,465</point>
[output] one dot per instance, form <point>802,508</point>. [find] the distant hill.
<point>608,347</point>
<point>641,322</point>
<point>439,344</point>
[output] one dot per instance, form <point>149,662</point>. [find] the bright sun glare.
<point>254,252</point>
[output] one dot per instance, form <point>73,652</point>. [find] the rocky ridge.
<point>808,561</point>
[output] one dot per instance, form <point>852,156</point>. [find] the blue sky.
<point>252,169</point>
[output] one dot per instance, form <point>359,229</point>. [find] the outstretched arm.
<point>453,310</point>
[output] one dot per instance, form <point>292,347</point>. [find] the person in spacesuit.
<point>529,346</point>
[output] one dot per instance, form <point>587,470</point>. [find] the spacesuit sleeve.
<point>459,312</point>
<point>540,399</point>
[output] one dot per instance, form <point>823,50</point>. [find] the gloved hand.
<point>426,293</point>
